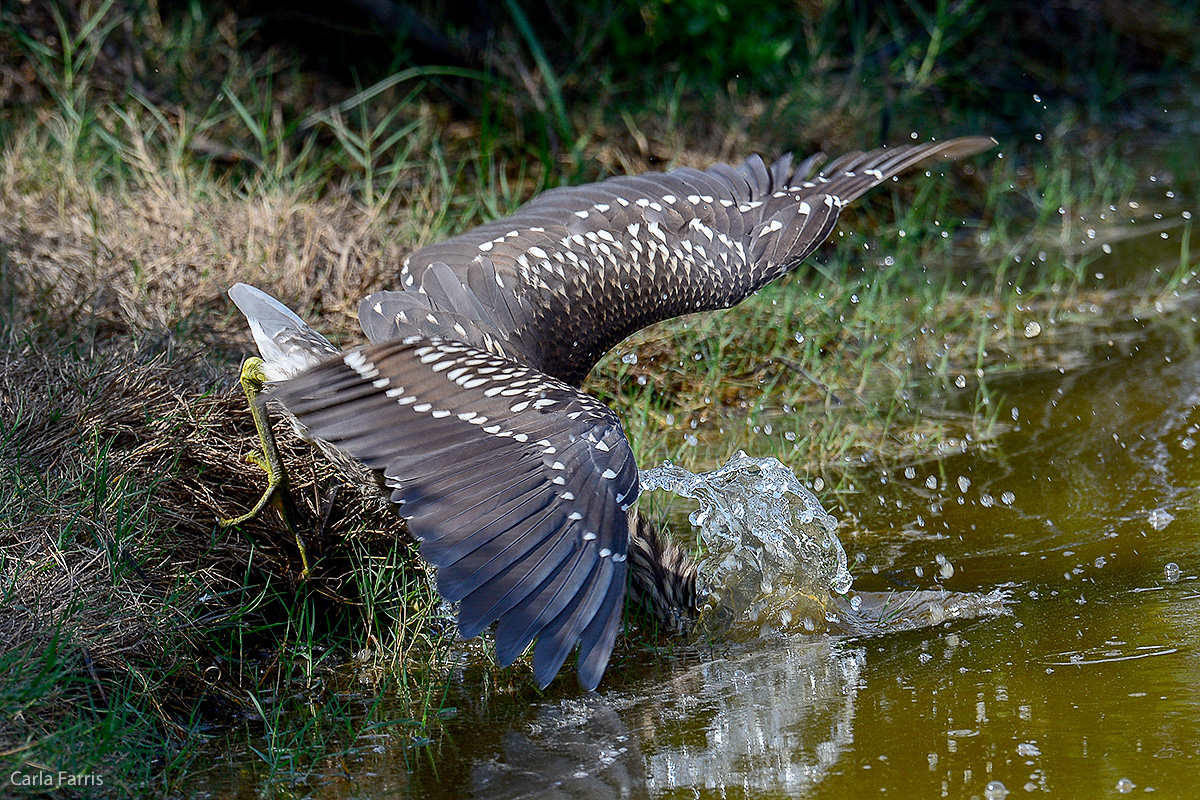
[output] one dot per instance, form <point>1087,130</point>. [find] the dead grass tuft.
<point>117,464</point>
<point>157,256</point>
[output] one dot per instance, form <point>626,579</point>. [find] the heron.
<point>465,406</point>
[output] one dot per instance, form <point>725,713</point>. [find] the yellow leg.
<point>253,378</point>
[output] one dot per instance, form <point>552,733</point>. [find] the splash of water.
<point>771,556</point>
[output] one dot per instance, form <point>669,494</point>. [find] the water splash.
<point>771,556</point>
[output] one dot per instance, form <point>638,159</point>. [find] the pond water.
<point>1083,511</point>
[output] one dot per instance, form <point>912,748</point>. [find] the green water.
<point>1091,680</point>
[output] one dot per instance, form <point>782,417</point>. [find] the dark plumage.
<point>518,485</point>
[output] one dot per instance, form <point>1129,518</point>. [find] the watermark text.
<point>47,779</point>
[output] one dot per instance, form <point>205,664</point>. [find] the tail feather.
<point>287,344</point>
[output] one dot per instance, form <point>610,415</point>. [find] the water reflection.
<point>764,722</point>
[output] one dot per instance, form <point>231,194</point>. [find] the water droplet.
<point>1160,518</point>
<point>629,358</point>
<point>1125,786</point>
<point>995,790</point>
<point>1007,498</point>
<point>1172,572</point>
<point>1032,329</point>
<point>961,381</point>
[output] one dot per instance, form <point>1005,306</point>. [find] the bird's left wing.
<point>517,485</point>
<point>582,267</point>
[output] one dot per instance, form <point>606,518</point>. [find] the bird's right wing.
<point>580,268</point>
<point>517,485</point>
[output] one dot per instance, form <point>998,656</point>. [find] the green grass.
<point>129,206</point>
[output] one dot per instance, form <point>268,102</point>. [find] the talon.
<point>260,461</point>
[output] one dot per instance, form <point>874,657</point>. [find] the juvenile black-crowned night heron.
<point>519,486</point>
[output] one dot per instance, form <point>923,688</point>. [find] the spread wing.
<point>578,269</point>
<point>517,485</point>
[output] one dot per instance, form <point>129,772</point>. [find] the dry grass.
<point>160,255</point>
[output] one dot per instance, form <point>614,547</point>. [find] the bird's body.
<point>519,485</point>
